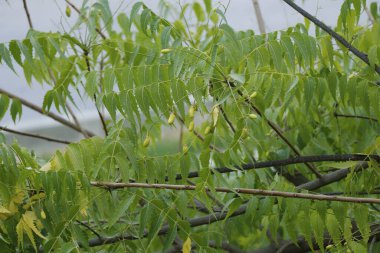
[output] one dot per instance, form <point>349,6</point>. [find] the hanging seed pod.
<point>252,116</point>
<point>171,118</point>
<point>215,115</point>
<point>185,149</point>
<point>192,111</point>
<point>254,94</point>
<point>68,11</point>
<point>146,141</point>
<point>166,50</point>
<point>207,130</point>
<point>43,215</point>
<point>244,133</point>
<point>191,126</point>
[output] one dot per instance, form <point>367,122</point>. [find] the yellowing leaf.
<point>4,213</point>
<point>186,248</point>
<point>46,167</point>
<point>29,218</point>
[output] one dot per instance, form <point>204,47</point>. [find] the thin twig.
<point>76,121</point>
<point>354,116</point>
<point>27,14</point>
<point>275,128</point>
<point>89,228</point>
<point>37,136</point>
<point>76,9</point>
<point>101,117</point>
<point>257,192</point>
<point>36,108</point>
<point>259,16</point>
<point>336,36</point>
<point>370,17</point>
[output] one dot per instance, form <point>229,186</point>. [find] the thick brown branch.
<point>49,114</point>
<point>27,14</point>
<point>257,192</point>
<point>5,129</point>
<point>289,161</point>
<point>332,177</point>
<point>340,39</point>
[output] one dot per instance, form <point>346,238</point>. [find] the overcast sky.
<point>48,15</point>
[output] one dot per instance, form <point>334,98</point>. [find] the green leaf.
<point>15,51</point>
<point>16,109</point>
<point>6,56</point>
<point>199,13</point>
<point>4,103</point>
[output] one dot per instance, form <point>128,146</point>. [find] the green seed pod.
<point>68,11</point>
<point>191,126</point>
<point>171,118</point>
<point>166,50</point>
<point>215,115</point>
<point>146,141</point>
<point>207,130</point>
<point>191,111</point>
<point>244,133</point>
<point>185,149</point>
<point>254,94</point>
<point>43,215</point>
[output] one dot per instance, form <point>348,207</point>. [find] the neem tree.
<point>283,154</point>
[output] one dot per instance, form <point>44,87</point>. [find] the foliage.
<point>240,97</point>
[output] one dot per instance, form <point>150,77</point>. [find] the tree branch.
<point>27,14</point>
<point>274,127</point>
<point>204,220</point>
<point>289,161</point>
<point>331,177</point>
<point>76,121</point>
<point>49,114</point>
<point>257,192</point>
<point>37,136</point>
<point>354,116</point>
<point>302,246</point>
<point>259,16</point>
<point>336,36</point>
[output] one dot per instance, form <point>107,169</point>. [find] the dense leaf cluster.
<point>235,98</point>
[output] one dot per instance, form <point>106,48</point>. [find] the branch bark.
<point>362,56</point>
<point>37,136</point>
<point>49,114</point>
<point>259,16</point>
<point>257,192</point>
<point>27,14</point>
<point>289,161</point>
<point>354,116</point>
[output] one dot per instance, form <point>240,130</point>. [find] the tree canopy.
<point>279,134</point>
